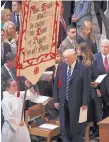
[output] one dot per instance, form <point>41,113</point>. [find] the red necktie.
<point>106,65</point>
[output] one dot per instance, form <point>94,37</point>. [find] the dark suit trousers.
<point>66,134</point>
<point>77,137</point>
<point>77,132</point>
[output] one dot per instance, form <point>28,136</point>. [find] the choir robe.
<point>12,111</point>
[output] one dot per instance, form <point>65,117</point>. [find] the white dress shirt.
<point>72,67</point>
<point>16,16</point>
<point>103,56</point>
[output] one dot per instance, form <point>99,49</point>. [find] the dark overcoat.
<point>79,91</point>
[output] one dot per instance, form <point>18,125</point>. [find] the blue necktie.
<point>12,74</point>
<point>67,82</point>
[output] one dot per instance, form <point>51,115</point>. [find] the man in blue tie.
<point>72,93</point>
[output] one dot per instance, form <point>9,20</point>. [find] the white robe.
<point>12,111</point>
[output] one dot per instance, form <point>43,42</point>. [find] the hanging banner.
<point>38,38</point>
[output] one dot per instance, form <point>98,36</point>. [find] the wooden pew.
<point>104,130</point>
<point>34,112</point>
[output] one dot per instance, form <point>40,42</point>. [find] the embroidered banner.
<point>38,38</point>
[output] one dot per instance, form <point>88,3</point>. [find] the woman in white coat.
<point>14,130</point>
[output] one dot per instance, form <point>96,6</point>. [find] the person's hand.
<point>21,124</point>
<point>98,93</point>
<point>94,84</point>
<point>57,105</point>
<point>84,107</point>
<point>49,79</point>
<point>75,19</point>
<point>28,83</point>
<point>38,93</point>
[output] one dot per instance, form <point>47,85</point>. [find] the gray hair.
<point>105,41</point>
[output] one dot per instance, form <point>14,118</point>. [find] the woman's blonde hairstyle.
<point>5,27</point>
<point>86,24</point>
<point>3,12</point>
<point>86,53</point>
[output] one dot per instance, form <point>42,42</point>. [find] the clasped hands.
<point>74,18</point>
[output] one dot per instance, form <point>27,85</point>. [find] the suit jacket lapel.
<point>7,73</point>
<point>64,76</point>
<point>101,62</point>
<point>15,18</point>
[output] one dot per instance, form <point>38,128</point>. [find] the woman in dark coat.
<point>86,35</point>
<point>86,57</point>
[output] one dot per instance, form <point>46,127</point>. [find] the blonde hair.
<point>5,27</point>
<point>3,12</point>
<point>86,53</point>
<point>85,25</point>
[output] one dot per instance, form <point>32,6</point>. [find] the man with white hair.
<point>103,68</point>
<point>71,91</point>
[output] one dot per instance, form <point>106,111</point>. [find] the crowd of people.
<point>72,86</point>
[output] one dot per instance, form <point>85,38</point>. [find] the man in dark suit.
<point>16,13</point>
<point>5,47</point>
<point>103,67</point>
<point>7,70</point>
<point>71,91</point>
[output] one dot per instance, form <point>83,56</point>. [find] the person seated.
<point>5,47</point>
<point>11,35</point>
<point>5,16</point>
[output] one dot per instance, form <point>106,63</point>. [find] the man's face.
<point>105,48</point>
<point>72,33</point>
<point>7,16</point>
<point>15,6</point>
<point>3,36</point>
<point>12,87</point>
<point>12,64</point>
<point>70,59</point>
